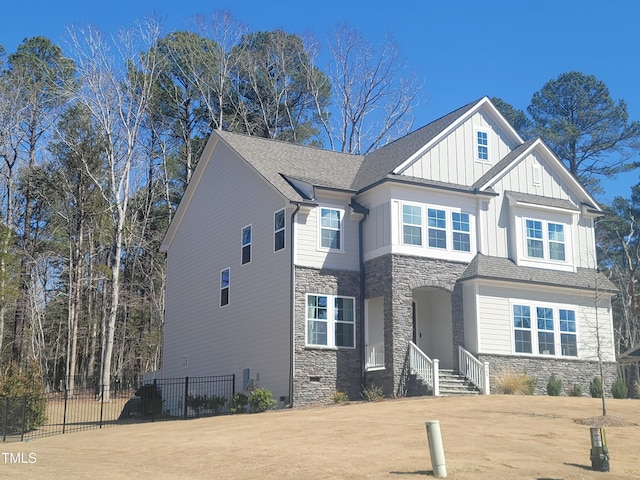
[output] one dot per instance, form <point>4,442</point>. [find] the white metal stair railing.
<point>474,370</point>
<point>375,356</point>
<point>424,367</point>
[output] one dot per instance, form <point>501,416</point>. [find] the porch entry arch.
<point>433,321</point>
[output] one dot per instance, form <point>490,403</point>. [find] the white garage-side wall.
<point>253,330</point>
<point>495,334</point>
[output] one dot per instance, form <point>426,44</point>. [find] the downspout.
<point>365,213</point>
<point>292,307</point>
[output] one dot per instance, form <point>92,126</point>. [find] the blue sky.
<point>461,49</point>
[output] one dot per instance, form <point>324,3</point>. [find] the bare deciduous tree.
<point>373,92</point>
<point>116,94</point>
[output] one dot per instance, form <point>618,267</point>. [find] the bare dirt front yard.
<point>492,437</point>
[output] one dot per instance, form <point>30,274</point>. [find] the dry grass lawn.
<point>492,437</point>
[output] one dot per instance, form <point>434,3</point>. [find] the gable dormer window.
<point>482,145</point>
<point>545,240</point>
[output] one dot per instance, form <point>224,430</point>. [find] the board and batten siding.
<point>495,315</point>
<point>252,331</point>
<point>501,233</point>
<point>307,237</point>
<point>452,159</point>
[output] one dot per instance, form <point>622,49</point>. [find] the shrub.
<point>197,402</point>
<point>372,393</point>
<point>340,397</point>
<point>576,391</point>
<point>595,387</point>
<point>25,396</point>
<point>239,403</point>
<point>619,388</point>
<point>216,403</point>
<point>260,400</point>
<point>512,383</point>
<point>554,386</point>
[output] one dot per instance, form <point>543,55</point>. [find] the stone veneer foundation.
<point>570,371</point>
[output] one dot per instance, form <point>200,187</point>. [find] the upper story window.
<point>482,145</point>
<point>441,228</point>
<point>437,228</point>
<point>412,224</point>
<point>246,244</point>
<point>278,230</point>
<point>331,228</point>
<point>461,231</point>
<point>552,330</point>
<point>224,287</point>
<point>330,321</point>
<point>545,240</point>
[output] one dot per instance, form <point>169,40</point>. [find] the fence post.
<point>153,405</point>
<point>186,393</point>
<point>101,403</point>
<point>64,415</point>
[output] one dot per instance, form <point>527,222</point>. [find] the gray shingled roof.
<point>496,268</point>
<point>384,160</point>
<point>540,200</point>
<point>502,164</point>
<point>274,160</point>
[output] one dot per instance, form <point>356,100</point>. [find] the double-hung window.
<point>568,343</point>
<point>482,145</point>
<point>551,332</point>
<point>278,230</point>
<point>545,240</point>
<point>330,321</point>
<point>246,244</point>
<point>522,328</point>
<point>412,225</point>
<point>330,228</point>
<point>437,228</point>
<point>224,287</point>
<point>461,232</point>
<point>546,343</point>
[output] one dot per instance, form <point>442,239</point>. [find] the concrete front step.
<point>452,384</point>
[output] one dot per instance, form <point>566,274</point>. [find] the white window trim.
<point>342,228</point>
<point>422,224</point>
<point>242,244</point>
<point>425,249</point>
<point>228,287</point>
<point>276,231</point>
<point>546,251</point>
<point>331,331</point>
<point>534,329</point>
<point>476,145</point>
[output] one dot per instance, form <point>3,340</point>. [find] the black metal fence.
<point>24,418</point>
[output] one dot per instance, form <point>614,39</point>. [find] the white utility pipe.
<point>435,449</point>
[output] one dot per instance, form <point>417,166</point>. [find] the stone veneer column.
<point>395,277</point>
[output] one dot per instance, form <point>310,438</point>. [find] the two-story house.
<point>458,246</point>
